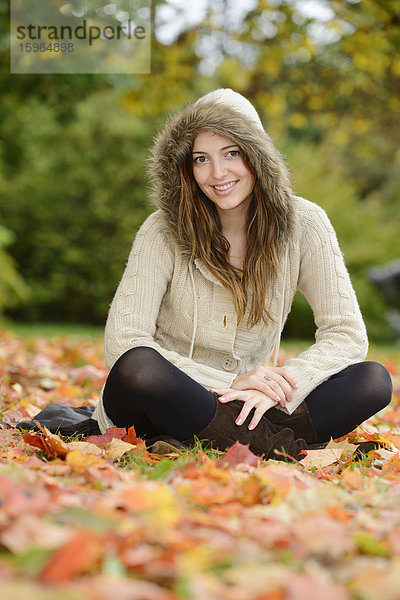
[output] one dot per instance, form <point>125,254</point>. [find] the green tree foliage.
<point>12,287</point>
<point>76,200</point>
<point>367,233</point>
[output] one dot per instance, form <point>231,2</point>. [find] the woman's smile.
<point>224,188</point>
<point>221,172</point>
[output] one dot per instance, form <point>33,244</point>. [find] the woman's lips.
<point>224,188</point>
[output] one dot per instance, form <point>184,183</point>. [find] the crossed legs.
<point>146,390</point>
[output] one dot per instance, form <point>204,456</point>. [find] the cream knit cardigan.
<point>183,311</point>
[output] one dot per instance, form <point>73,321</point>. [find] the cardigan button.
<point>229,363</point>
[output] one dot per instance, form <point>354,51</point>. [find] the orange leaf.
<point>51,443</point>
<point>250,491</point>
<point>79,555</point>
<point>132,438</point>
<point>391,367</point>
<point>392,467</point>
<point>338,513</point>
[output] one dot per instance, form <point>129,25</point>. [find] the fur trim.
<point>175,143</point>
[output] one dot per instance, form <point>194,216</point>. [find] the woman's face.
<point>221,173</point>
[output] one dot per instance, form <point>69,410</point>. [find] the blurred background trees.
<point>325,78</point>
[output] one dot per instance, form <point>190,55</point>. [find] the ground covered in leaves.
<point>104,518</point>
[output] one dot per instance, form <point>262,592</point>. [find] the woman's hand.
<point>251,399</point>
<point>274,382</point>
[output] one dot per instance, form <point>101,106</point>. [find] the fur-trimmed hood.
<point>230,115</point>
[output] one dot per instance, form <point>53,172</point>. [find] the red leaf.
<point>238,454</point>
<point>111,433</point>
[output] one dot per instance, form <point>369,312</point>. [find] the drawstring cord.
<point>195,315</point>
<point>279,330</point>
<point>282,305</point>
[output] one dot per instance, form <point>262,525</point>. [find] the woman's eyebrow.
<point>224,148</point>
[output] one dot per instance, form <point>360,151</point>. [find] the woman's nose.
<point>219,169</point>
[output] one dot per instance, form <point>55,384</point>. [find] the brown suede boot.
<point>299,421</point>
<point>267,437</point>
<point>165,444</point>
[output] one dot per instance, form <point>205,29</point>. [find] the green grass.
<point>381,352</point>
<point>165,466</point>
<point>27,331</point>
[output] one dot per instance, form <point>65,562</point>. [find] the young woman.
<point>193,333</point>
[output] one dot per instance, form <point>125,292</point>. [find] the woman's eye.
<point>234,153</point>
<point>198,160</point>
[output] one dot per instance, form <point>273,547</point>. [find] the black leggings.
<point>146,390</point>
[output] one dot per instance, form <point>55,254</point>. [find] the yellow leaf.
<point>76,460</point>
<point>117,448</point>
<point>345,446</point>
<point>86,448</point>
<point>321,458</point>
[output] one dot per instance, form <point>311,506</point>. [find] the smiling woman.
<point>222,175</point>
<point>193,333</point>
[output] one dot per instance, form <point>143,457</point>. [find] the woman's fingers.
<point>244,413</point>
<point>260,404</point>
<point>258,413</point>
<point>220,391</point>
<point>257,381</point>
<point>275,382</point>
<point>252,399</point>
<point>281,387</point>
<point>288,376</point>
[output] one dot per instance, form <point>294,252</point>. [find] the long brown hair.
<point>199,225</point>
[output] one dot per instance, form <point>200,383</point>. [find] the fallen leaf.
<point>110,434</point>
<point>51,443</point>
<point>76,460</point>
<point>237,454</point>
<point>321,458</point>
<point>76,557</point>
<point>29,530</point>
<point>85,448</point>
<point>132,438</point>
<point>117,448</point>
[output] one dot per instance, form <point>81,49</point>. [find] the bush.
<point>12,287</point>
<point>366,229</point>
<point>73,193</point>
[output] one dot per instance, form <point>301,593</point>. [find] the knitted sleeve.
<point>341,337</point>
<point>134,310</point>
